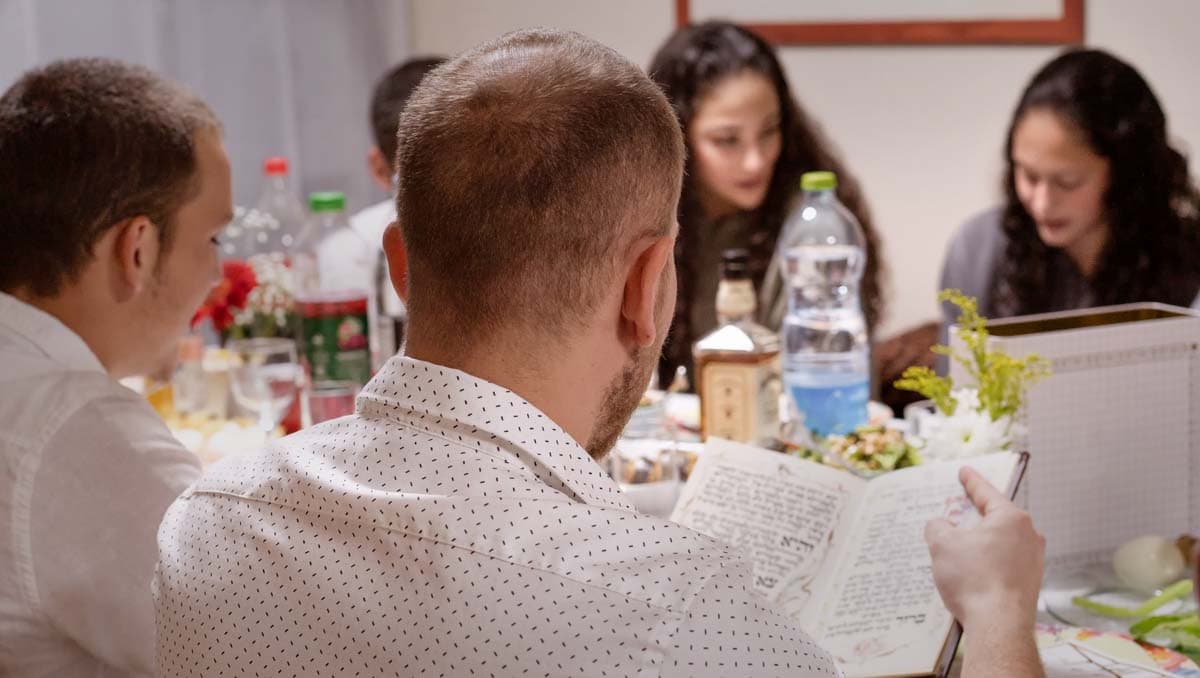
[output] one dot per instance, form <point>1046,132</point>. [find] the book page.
<point>882,614</point>
<point>785,514</point>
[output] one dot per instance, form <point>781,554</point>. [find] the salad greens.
<point>1179,632</point>
<point>1180,589</point>
<point>874,449</point>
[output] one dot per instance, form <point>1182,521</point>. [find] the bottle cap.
<point>327,201</point>
<point>818,181</point>
<point>275,166</point>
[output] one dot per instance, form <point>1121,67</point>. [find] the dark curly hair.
<point>693,61</point>
<point>1151,205</point>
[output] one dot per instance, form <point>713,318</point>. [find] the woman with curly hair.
<point>748,143</point>
<point>1099,207</point>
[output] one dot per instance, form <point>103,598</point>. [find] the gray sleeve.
<point>729,631</point>
<point>970,266</point>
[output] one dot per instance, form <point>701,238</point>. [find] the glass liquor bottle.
<point>737,364</point>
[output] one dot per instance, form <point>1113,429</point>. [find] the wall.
<point>922,127</point>
<point>286,77</point>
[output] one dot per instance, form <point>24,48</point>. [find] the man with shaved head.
<point>458,523</point>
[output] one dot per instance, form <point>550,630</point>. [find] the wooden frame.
<point>1065,30</point>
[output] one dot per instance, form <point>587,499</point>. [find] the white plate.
<point>1098,583</point>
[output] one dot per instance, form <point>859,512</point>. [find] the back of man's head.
<point>528,167</point>
<point>391,94</point>
<point>84,145</point>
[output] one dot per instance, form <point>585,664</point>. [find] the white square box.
<point>1114,433</point>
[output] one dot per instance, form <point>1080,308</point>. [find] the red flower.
<point>241,280</point>
<point>229,295</point>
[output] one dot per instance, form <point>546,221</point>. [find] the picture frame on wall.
<point>898,22</point>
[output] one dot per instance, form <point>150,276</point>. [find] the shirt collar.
<point>47,335</point>
<point>458,402</point>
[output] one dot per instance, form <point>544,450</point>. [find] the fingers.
<point>982,494</point>
<point>937,530</point>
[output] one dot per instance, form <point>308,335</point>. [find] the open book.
<point>845,557</point>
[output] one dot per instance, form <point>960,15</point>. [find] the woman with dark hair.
<point>748,143</point>
<point>1099,207</point>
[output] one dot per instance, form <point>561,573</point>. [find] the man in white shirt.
<point>387,102</point>
<point>458,523</point>
<point>115,188</point>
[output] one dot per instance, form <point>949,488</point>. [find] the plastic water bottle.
<point>278,218</point>
<point>826,352</point>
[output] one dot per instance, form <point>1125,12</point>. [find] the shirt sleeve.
<point>729,630</point>
<point>107,477</point>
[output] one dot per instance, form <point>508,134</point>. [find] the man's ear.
<point>135,253</point>
<point>643,286</point>
<point>397,259</point>
<point>381,168</point>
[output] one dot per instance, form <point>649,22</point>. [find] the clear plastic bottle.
<point>264,237</point>
<point>278,218</point>
<point>333,269</point>
<point>826,361</point>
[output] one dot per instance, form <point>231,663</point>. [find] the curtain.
<point>286,77</point>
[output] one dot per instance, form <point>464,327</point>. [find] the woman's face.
<point>735,139</point>
<point>1061,182</point>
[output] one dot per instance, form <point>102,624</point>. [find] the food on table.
<point>640,469</point>
<point>690,458</point>
<point>1176,591</point>
<point>804,452</point>
<point>651,461</point>
<point>1148,563</point>
<point>160,395</point>
<point>874,449</point>
<point>211,438</point>
<point>1180,632</point>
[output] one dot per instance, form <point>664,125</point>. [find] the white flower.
<point>969,432</point>
<point>275,292</point>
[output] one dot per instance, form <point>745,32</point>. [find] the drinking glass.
<point>331,399</point>
<point>265,378</point>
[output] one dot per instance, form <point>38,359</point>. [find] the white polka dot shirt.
<point>448,528</point>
